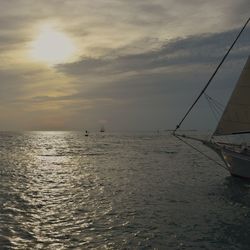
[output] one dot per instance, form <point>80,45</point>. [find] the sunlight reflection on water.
<point>62,190</point>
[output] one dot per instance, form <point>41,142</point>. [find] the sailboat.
<point>235,120</point>
<point>102,130</point>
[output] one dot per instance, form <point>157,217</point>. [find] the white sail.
<point>236,116</point>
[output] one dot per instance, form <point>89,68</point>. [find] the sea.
<point>65,190</point>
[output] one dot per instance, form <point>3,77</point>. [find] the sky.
<point>127,65</point>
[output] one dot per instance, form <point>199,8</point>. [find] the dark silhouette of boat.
<point>102,130</point>
<point>235,120</point>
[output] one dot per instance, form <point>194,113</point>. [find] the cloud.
<point>198,49</point>
<point>102,26</point>
<point>161,78</point>
<point>138,60</point>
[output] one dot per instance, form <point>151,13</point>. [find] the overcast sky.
<point>138,64</point>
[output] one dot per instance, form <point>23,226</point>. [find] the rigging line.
<point>215,114</point>
<point>221,106</point>
<point>212,108</point>
<point>217,106</point>
<point>215,109</point>
<point>213,75</point>
<point>208,157</point>
<point>216,102</point>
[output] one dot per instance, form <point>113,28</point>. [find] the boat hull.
<point>238,163</point>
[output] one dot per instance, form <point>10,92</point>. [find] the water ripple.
<point>61,190</point>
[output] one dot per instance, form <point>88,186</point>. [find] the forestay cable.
<point>213,75</point>
<point>196,149</point>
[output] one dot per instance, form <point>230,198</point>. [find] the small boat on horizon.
<point>102,130</point>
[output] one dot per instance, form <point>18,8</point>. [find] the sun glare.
<point>52,46</point>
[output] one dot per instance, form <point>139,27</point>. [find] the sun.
<point>52,46</point>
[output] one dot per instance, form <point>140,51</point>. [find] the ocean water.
<point>62,190</point>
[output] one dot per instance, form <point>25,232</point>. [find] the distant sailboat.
<point>102,130</point>
<point>235,120</point>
